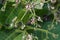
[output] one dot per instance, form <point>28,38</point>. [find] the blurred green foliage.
<point>12,28</point>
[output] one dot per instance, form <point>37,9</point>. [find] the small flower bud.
<point>23,26</point>
<point>29,6</point>
<point>52,7</point>
<point>23,37</point>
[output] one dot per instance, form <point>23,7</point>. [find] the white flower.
<point>15,25</point>
<point>39,19</point>
<point>29,37</point>
<point>29,6</point>
<point>17,1</point>
<point>53,1</point>
<point>11,25</point>
<point>41,5</point>
<point>32,20</point>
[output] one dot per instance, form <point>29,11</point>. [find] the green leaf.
<point>21,36</point>
<point>11,0</point>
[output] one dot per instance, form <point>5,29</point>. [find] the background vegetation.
<point>29,19</point>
